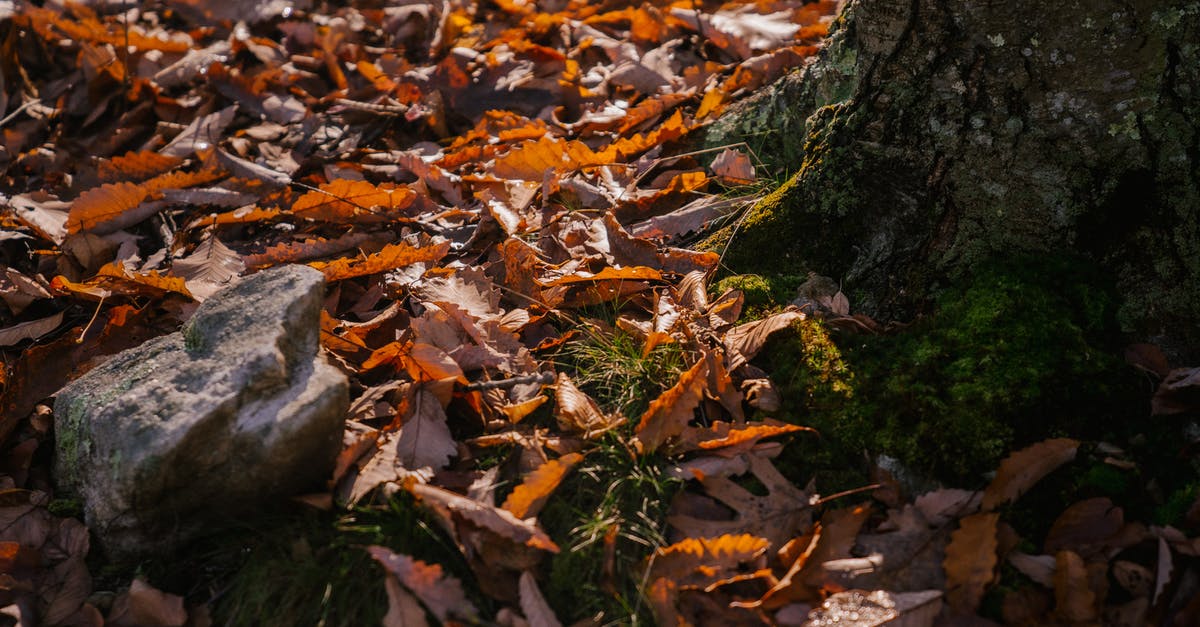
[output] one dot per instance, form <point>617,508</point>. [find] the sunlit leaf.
<point>528,498</point>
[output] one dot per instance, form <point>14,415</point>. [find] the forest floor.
<point>558,414</point>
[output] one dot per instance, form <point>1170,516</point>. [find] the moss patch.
<point>1023,352</point>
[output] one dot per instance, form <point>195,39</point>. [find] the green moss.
<point>1021,353</point>
<point>763,294</point>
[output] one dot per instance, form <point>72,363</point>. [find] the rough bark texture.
<point>931,135</point>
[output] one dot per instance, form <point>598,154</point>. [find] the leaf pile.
<point>474,180</point>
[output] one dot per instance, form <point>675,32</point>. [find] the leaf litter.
<point>474,179</point>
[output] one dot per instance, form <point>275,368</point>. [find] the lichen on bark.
<point>931,136</point>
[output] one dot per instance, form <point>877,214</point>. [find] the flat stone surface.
<point>234,410</point>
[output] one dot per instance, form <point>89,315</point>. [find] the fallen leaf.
<point>746,340</point>
<point>144,604</point>
<point>670,413</point>
<point>1024,468</point>
<point>1085,526</point>
<point>971,562</point>
<point>441,593</point>
<point>1179,393</point>
<point>534,605</point>
<point>733,167</point>
<point>528,498</point>
<point>391,257</point>
<point>425,440</point>
<point>30,330</point>
<point>778,516</point>
<point>1075,602</point>
<point>699,562</point>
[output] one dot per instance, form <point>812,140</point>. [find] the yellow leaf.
<point>528,498</point>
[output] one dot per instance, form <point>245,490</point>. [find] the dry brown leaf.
<point>202,134</point>
<point>1085,526</point>
<point>1075,602</point>
<point>1022,469</point>
<point>114,206</point>
<point>441,593</point>
<point>30,330</point>
<point>831,539</point>
<point>1039,568</point>
<point>971,562</point>
<point>670,413</point>
<point>733,167</point>
<point>528,498</point>
<point>425,440</point>
<point>403,608</point>
<point>783,513</point>
<point>577,412</point>
<point>729,439</point>
<point>534,605</point>
<point>745,341</point>
<point>211,266</point>
<point>136,166</point>
<point>1179,393</point>
<point>144,604</point>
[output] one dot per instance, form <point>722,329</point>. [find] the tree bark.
<point>931,135</point>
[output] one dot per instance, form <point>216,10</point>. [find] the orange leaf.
<point>136,166</point>
<point>114,206</point>
<point>672,410</point>
<point>391,257</point>
<point>1021,470</point>
<point>609,273</point>
<point>346,200</point>
<point>531,160</point>
<point>698,562</point>
<point>750,433</point>
<point>970,562</point>
<point>528,498</point>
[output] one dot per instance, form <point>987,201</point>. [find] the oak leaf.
<point>784,512</point>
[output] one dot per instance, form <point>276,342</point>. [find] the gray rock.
<point>235,409</point>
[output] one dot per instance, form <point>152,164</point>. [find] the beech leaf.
<point>1024,468</point>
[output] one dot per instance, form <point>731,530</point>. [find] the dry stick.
<point>540,377</point>
<point>8,118</point>
<point>824,500</point>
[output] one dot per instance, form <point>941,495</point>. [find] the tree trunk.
<point>932,135</point>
